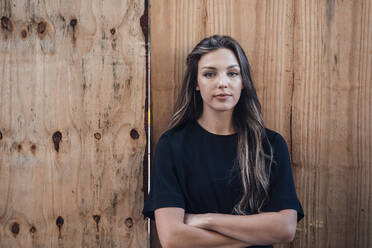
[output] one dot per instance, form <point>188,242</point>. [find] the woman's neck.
<point>220,123</point>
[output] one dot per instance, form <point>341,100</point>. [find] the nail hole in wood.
<point>59,222</point>
<point>73,23</point>
<point>134,134</point>
<point>33,148</point>
<point>32,229</point>
<point>41,27</point>
<point>6,24</point>
<point>24,33</point>
<point>57,137</point>
<point>15,228</point>
<point>129,222</point>
<point>97,136</point>
<point>97,218</point>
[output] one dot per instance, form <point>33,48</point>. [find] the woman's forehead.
<point>220,59</point>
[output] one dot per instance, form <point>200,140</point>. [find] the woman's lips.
<point>222,96</point>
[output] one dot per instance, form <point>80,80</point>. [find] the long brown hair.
<point>254,164</point>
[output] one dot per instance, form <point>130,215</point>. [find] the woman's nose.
<point>222,82</point>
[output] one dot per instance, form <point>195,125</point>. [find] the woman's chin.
<point>223,108</point>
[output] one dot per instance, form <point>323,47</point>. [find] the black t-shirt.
<point>196,170</point>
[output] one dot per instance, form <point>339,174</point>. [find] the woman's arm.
<point>258,229</point>
<point>173,232</point>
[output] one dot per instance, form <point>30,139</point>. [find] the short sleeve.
<point>282,192</point>
<point>165,189</point>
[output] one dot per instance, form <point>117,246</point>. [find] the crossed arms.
<point>177,229</point>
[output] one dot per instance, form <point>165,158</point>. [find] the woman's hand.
<point>196,220</point>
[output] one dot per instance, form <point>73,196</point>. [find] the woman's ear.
<point>197,88</point>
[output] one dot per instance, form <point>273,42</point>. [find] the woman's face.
<point>219,80</point>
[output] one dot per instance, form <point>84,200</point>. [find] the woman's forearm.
<point>185,236</point>
<point>258,229</point>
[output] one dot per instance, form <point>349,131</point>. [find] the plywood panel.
<point>72,142</point>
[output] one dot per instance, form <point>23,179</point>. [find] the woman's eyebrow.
<point>231,66</point>
<point>214,68</point>
<point>209,67</point>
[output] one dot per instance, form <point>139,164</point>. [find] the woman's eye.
<point>233,74</point>
<point>208,74</point>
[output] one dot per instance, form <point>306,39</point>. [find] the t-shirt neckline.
<point>206,132</point>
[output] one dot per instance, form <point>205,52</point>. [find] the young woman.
<point>221,178</point>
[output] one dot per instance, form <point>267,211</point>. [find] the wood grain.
<point>72,95</point>
<point>311,65</point>
<point>332,121</point>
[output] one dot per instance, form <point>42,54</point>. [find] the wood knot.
<point>134,134</point>
<point>6,24</point>
<point>1,135</point>
<point>32,229</point>
<point>73,23</point>
<point>24,33</point>
<point>113,31</point>
<point>57,137</point>
<point>19,147</point>
<point>97,136</point>
<point>97,218</point>
<point>15,228</point>
<point>33,148</point>
<point>59,222</point>
<point>41,27</point>
<point>129,222</point>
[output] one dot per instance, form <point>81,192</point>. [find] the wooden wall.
<point>72,137</point>
<point>311,62</point>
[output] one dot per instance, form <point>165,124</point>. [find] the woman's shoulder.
<point>275,139</point>
<point>177,134</point>
<point>279,147</point>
